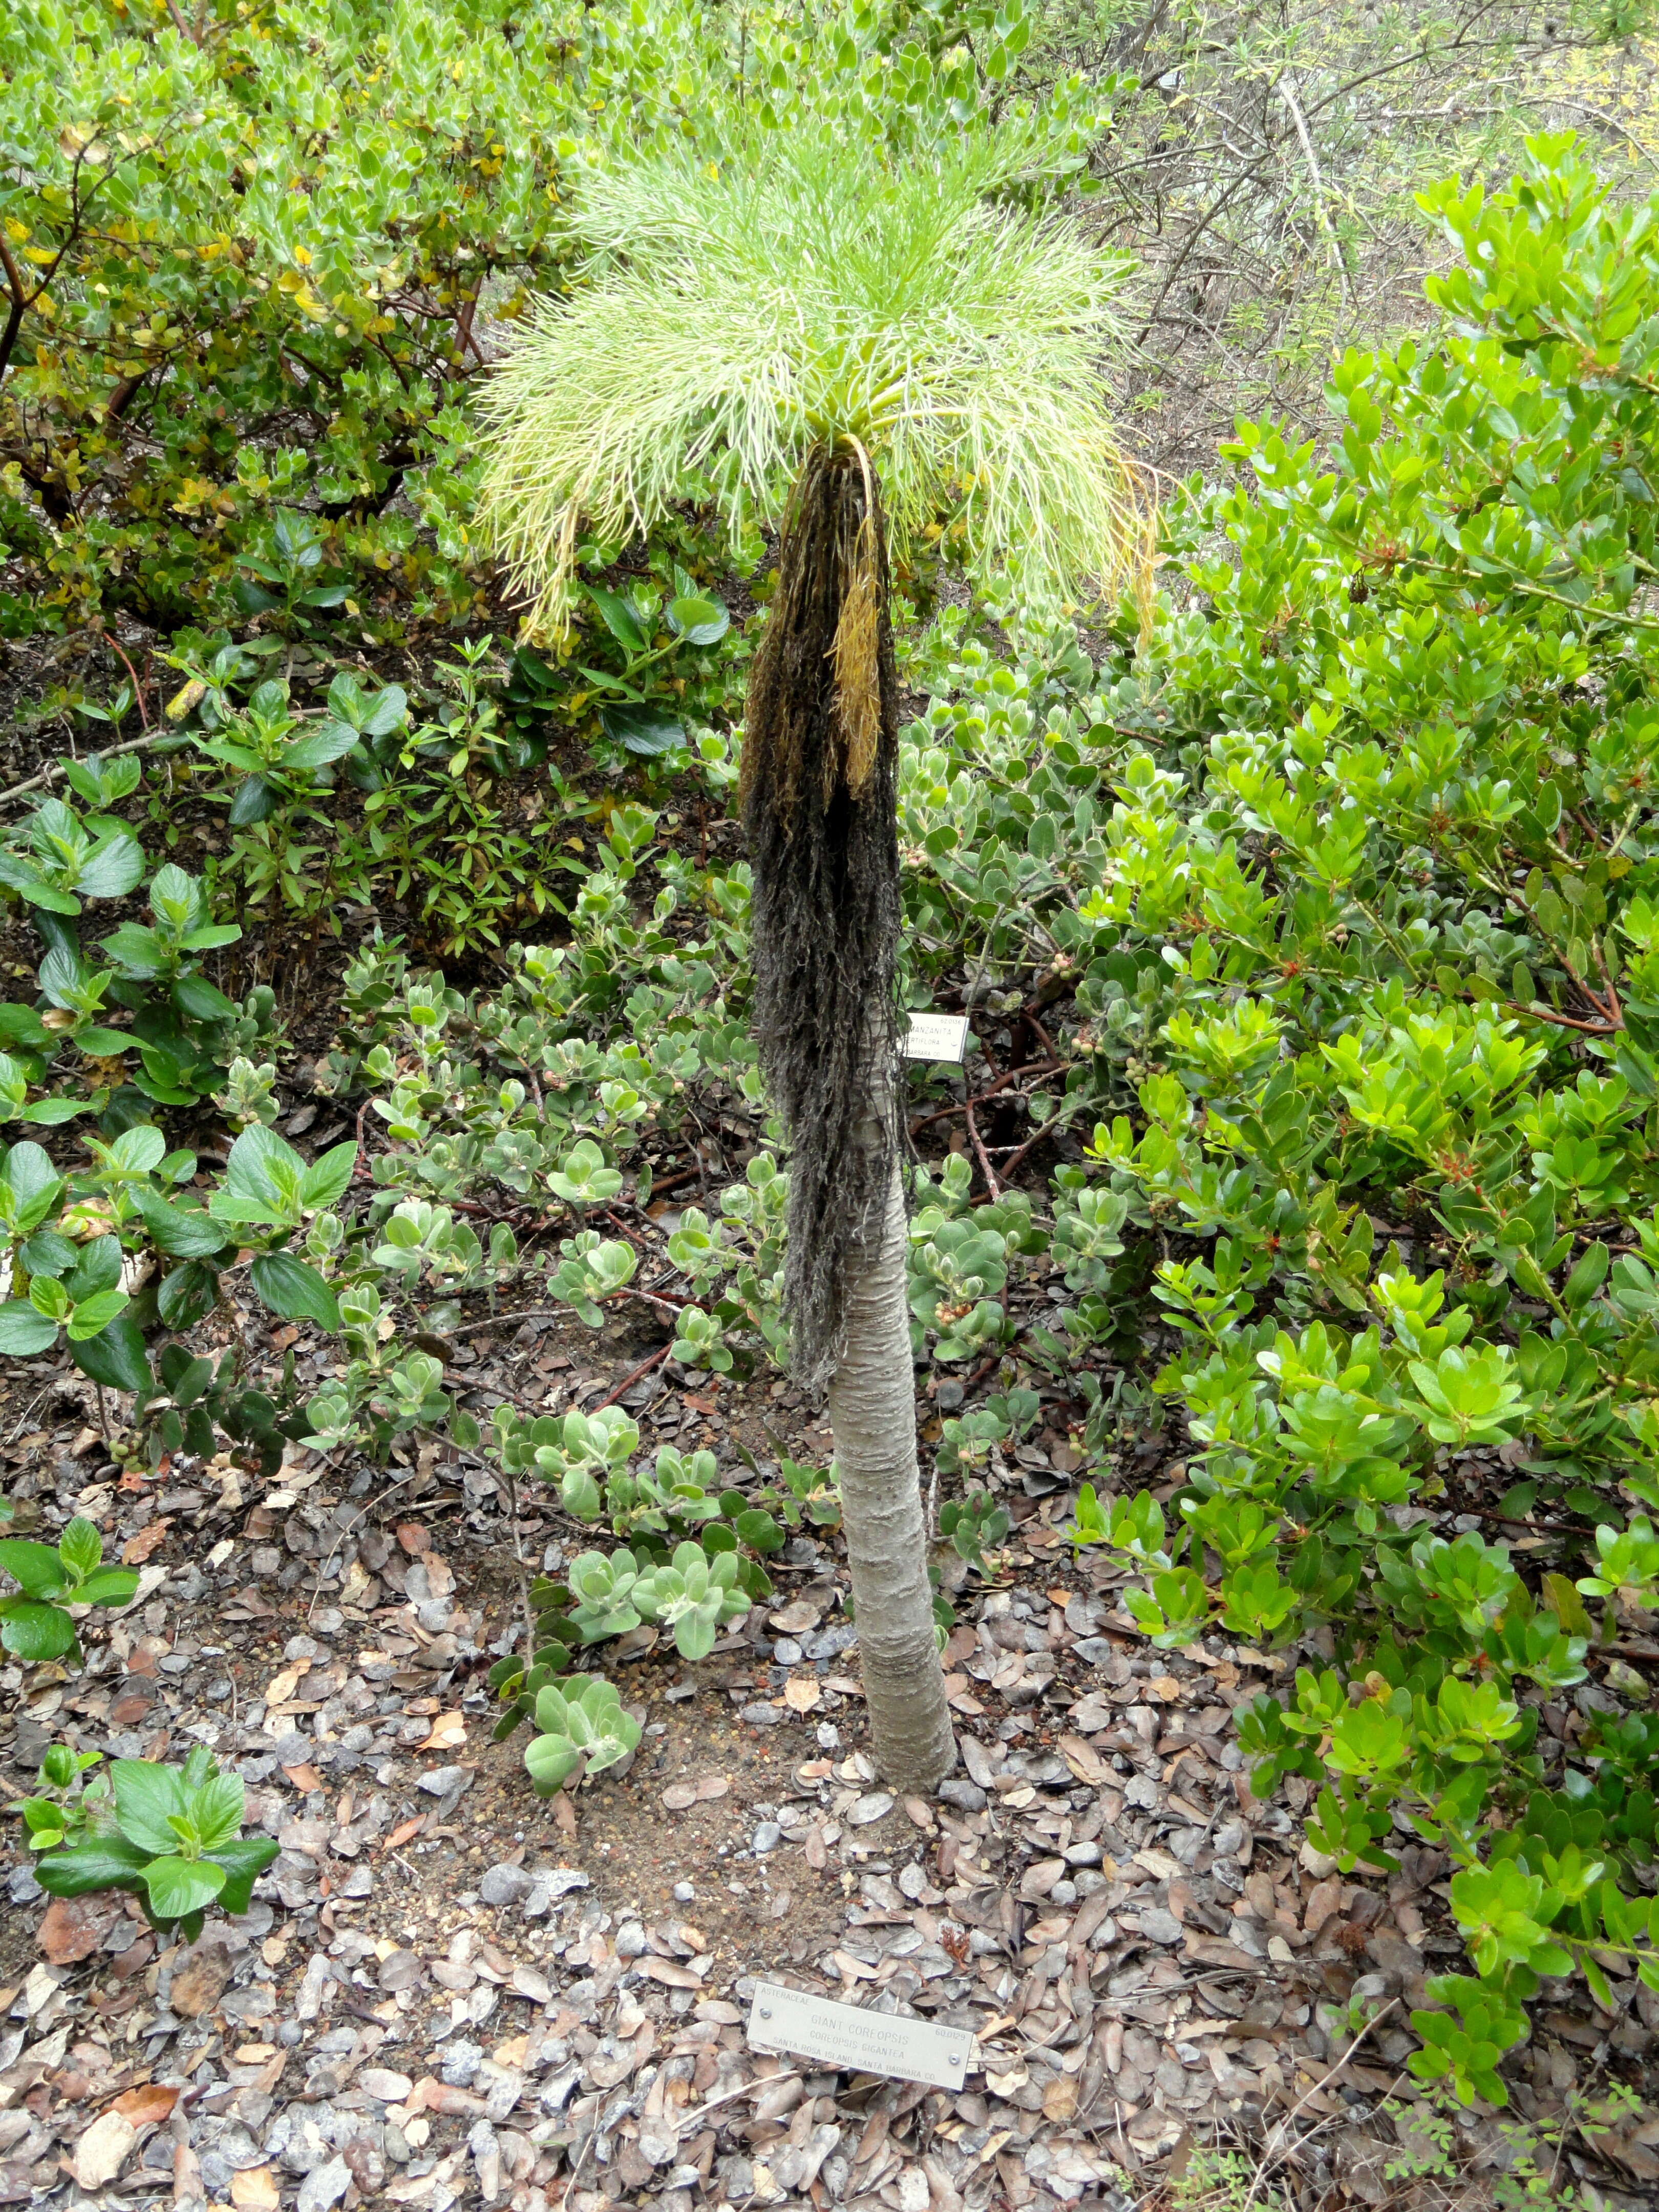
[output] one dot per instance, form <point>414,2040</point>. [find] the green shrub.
<point>171,1837</point>
<point>34,1623</point>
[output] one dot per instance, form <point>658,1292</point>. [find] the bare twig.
<point>629,1381</point>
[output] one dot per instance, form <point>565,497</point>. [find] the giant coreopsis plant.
<point>854,346</point>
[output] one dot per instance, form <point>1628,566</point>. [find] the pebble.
<point>21,1887</point>
<point>761,1716</point>
<point>876,1807</point>
<point>768,1835</point>
<point>830,1642</point>
<point>549,1884</point>
<point>829,1736</point>
<point>511,1885</point>
<point>384,2086</point>
<point>966,1796</point>
<point>439,1781</point>
<point>630,1940</point>
<point>787,1652</point>
<point>461,2061</point>
<point>683,1894</point>
<point>325,2185</point>
<point>1158,1925</point>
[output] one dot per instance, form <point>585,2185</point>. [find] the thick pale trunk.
<point>872,1411</point>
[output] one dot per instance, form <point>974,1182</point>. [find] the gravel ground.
<point>450,1992</point>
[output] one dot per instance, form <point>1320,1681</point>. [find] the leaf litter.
<point>450,1993</point>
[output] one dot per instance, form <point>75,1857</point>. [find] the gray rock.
<point>439,1781</point>
<point>830,1642</point>
<point>684,1892</point>
<point>1158,1925</point>
<point>461,2063</point>
<point>761,1716</point>
<point>966,1796</point>
<point>787,1652</point>
<point>829,1736</point>
<point>549,1884</point>
<point>630,1940</point>
<point>21,1887</point>
<point>511,1885</point>
<point>1083,1855</point>
<point>766,1838</point>
<point>325,2185</point>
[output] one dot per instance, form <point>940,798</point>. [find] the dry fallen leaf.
<point>138,1548</point>
<point>150,2105</point>
<point>1092,1714</point>
<point>1060,2099</point>
<point>801,1693</point>
<point>254,2189</point>
<point>679,1796</point>
<point>672,1975</point>
<point>199,1980</point>
<point>448,1733</point>
<point>1085,1762</point>
<point>405,1830</point>
<point>712,1785</point>
<point>74,1927</point>
<point>797,1617</point>
<point>104,2150</point>
<point>414,1539</point>
<point>280,1687</point>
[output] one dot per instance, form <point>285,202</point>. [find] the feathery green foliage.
<point>814,288</point>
